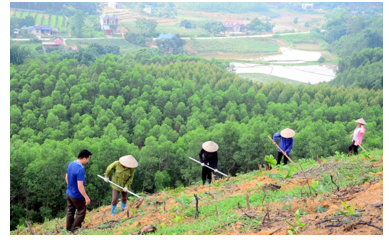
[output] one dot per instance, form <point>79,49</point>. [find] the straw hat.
<point>210,146</point>
<point>128,161</point>
<point>288,133</point>
<point>361,121</point>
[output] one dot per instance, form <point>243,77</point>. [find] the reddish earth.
<point>367,201</point>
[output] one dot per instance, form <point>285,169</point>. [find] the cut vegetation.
<point>340,195</point>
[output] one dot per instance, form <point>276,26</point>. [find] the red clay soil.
<point>367,201</point>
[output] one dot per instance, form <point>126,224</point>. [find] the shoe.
<point>113,207</point>
<point>122,207</point>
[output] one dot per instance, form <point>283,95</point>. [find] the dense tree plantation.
<point>161,109</point>
<point>358,40</point>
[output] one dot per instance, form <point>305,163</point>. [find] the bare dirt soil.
<point>367,201</point>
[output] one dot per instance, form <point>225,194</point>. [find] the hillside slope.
<point>249,204</point>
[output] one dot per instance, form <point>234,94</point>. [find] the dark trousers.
<point>279,156</point>
<point>353,147</point>
<point>206,173</point>
<point>73,204</point>
<point>115,197</point>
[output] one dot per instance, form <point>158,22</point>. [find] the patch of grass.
<point>234,45</point>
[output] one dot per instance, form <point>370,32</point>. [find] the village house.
<point>109,23</point>
<point>113,5</point>
<point>56,43</point>
<point>148,10</point>
<point>41,30</point>
<point>234,26</point>
<point>307,6</point>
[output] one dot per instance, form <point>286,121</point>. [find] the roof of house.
<point>233,23</point>
<point>106,16</point>
<point>166,36</point>
<point>73,47</point>
<point>42,27</point>
<point>56,41</point>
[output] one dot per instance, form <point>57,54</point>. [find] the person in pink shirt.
<point>357,136</point>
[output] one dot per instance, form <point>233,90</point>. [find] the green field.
<point>59,24</point>
<point>233,45</point>
<point>125,47</point>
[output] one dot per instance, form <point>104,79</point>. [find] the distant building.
<point>16,31</point>
<point>234,26</point>
<point>148,10</point>
<point>354,13</point>
<point>109,23</point>
<point>56,43</point>
<point>307,6</point>
<point>41,30</point>
<point>166,36</point>
<point>114,5</point>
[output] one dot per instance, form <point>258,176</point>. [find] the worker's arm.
<point>275,136</point>
<point>80,185</point>
<point>201,155</point>
<point>66,178</point>
<point>131,179</point>
<point>109,168</point>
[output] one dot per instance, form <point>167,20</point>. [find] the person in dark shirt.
<point>209,151</point>
<point>286,143</point>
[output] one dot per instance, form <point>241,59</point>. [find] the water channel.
<point>309,74</point>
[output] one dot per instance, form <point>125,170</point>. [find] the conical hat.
<point>210,146</point>
<point>128,161</point>
<point>361,121</point>
<point>288,133</point>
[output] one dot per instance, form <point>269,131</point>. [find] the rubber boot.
<point>113,207</point>
<point>122,207</point>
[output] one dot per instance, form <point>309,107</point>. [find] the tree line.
<point>358,40</point>
<point>161,109</point>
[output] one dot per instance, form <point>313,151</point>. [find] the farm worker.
<point>76,196</point>
<point>123,175</point>
<point>286,143</point>
<point>357,136</point>
<point>209,151</point>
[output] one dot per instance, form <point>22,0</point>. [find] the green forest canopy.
<point>161,109</point>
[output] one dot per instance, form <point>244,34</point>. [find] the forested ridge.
<point>358,40</point>
<point>161,109</point>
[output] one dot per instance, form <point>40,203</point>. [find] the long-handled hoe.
<point>283,152</point>
<point>120,187</point>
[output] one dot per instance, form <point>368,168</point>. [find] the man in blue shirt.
<point>75,193</point>
<point>286,143</point>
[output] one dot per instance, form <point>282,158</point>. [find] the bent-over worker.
<point>286,143</point>
<point>209,151</point>
<point>123,175</point>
